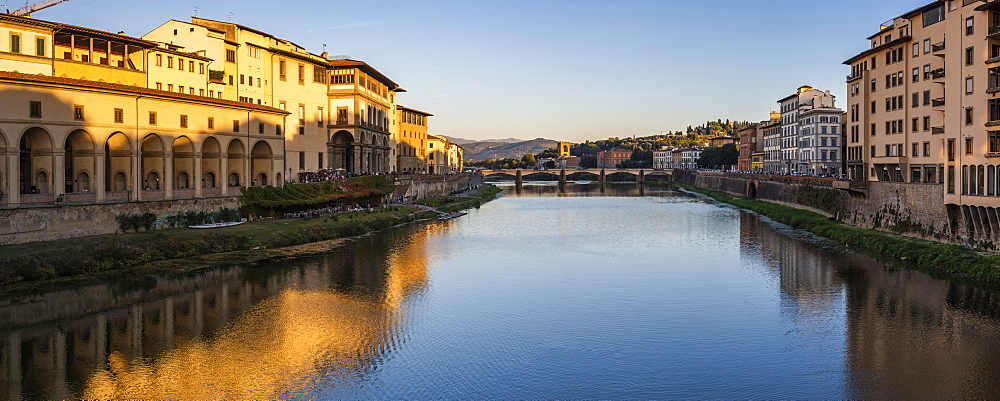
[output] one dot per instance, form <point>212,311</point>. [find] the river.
<point>590,291</point>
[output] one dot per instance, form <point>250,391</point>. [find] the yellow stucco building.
<point>411,140</point>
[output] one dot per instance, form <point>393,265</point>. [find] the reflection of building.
<point>612,158</point>
<point>907,335</point>
<point>223,333</point>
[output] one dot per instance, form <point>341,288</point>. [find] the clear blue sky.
<point>565,70</point>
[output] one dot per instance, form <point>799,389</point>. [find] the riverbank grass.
<point>90,255</point>
<point>952,260</point>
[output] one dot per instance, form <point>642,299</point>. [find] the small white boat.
<point>218,225</point>
<point>452,216</point>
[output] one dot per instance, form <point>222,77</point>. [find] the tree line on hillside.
<point>642,147</point>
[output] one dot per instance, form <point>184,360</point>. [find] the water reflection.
<point>908,335</point>
<point>254,332</point>
<point>711,303</point>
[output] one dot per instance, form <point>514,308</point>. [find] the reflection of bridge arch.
<point>583,176</point>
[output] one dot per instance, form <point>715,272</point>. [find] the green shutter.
<point>15,43</point>
<point>40,47</point>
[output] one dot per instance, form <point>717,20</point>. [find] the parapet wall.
<point>915,210</point>
<point>432,186</point>
<point>22,225</point>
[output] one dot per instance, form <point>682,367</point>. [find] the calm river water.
<point>618,292</point>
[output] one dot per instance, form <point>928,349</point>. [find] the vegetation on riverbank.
<point>82,256</point>
<point>360,190</point>
<point>951,259</point>
<point>126,251</point>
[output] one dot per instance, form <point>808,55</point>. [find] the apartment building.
<point>662,158</point>
<point>411,140</point>
<point>819,141</point>
<point>456,158</point>
<point>771,133</point>
<point>790,152</point>
<point>612,158</point>
<point>437,155</point>
<point>923,106</point>
<point>748,146</point>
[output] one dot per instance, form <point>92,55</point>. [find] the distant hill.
<point>463,141</point>
<point>477,151</point>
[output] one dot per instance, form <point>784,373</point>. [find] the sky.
<point>568,70</point>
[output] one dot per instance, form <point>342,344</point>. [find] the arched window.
<point>262,179</point>
<point>210,180</point>
<point>42,183</point>
<point>182,180</point>
<point>83,182</point>
<point>152,182</point>
<point>120,182</point>
<point>234,180</point>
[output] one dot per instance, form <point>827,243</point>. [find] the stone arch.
<point>117,161</point>
<point>211,162</point>
<point>152,162</point>
<point>36,155</point>
<point>261,162</point>
<point>183,162</point>
<point>80,151</point>
<point>236,153</point>
<point>342,150</point>
<point>277,179</point>
<point>751,190</point>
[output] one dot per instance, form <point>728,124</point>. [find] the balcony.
<point>994,32</point>
<point>993,90</point>
<point>852,78</point>
<point>937,74</point>
<point>937,130</point>
<point>993,123</point>
<point>938,49</point>
<point>939,102</point>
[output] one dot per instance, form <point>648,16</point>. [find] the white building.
<point>805,98</point>
<point>820,141</point>
<point>689,158</point>
<point>662,158</point>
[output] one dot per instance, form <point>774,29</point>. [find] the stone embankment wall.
<point>23,225</point>
<point>915,210</point>
<point>432,186</point>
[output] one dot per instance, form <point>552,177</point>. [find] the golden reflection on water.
<point>305,332</point>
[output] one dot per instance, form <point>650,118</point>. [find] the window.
<point>15,43</point>
<point>873,85</point>
<point>201,92</point>
<point>159,60</point>
<point>119,116</point>
<point>927,98</point>
<point>319,117</point>
<point>927,123</point>
<point>282,70</point>
<point>951,150</point>
<point>78,112</point>
<point>230,81</point>
<point>281,104</point>
<point>915,99</point>
<point>201,68</point>
<point>302,74</point>
<point>231,55</point>
<point>916,125</point>
<point>236,125</point>
<point>968,146</point>
<point>302,114</point>
<point>40,47</point>
<point>927,72</point>
<point>969,26</point>
<point>994,141</point>
<point>916,75</point>
<point>191,66</point>
<point>243,79</point>
<point>994,109</point>
<point>277,130</point>
<point>211,123</point>
<point>968,116</point>
<point>184,121</point>
<point>916,149</point>
<point>258,82</point>
<point>934,15</point>
<point>319,74</point>
<point>968,86</point>
<point>180,89</point>
<point>302,160</point>
<point>152,118</point>
<point>916,49</point>
<point>970,54</point>
<point>927,149</point>
<point>253,51</point>
<point>927,46</point>
<point>260,128</point>
<point>180,64</point>
<point>320,160</point>
<point>35,109</point>
<point>170,62</point>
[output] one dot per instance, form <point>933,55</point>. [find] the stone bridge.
<point>563,175</point>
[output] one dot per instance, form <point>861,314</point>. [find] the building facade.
<point>411,140</point>
<point>662,158</point>
<point>748,146</point>
<point>612,158</point>
<point>820,141</point>
<point>771,133</point>
<point>805,98</point>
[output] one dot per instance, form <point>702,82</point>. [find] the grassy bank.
<point>485,194</point>
<point>120,252</point>
<point>128,251</point>
<point>950,259</point>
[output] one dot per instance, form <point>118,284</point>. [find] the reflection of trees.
<point>225,334</point>
<point>908,335</point>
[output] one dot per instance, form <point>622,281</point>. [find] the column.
<point>199,177</point>
<point>13,178</point>
<point>223,176</point>
<point>135,193</point>
<point>168,175</point>
<point>100,175</point>
<point>358,155</point>
<point>59,175</point>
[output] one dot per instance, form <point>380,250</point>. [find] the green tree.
<point>714,157</point>
<point>529,159</point>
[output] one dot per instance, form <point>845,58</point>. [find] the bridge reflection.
<point>226,333</point>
